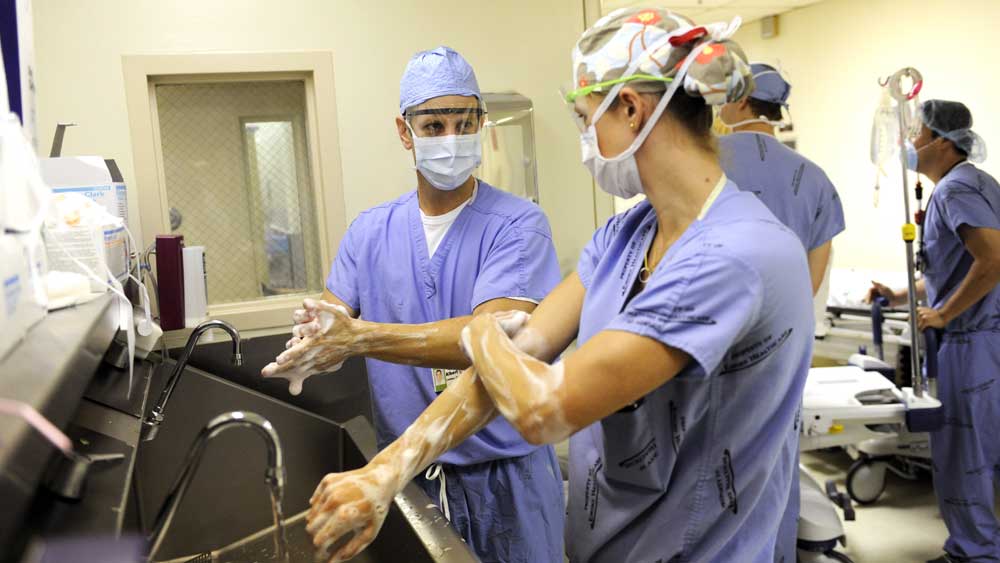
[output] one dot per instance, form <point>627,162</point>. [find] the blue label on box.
<point>11,293</point>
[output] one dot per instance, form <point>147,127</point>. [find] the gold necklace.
<point>645,272</point>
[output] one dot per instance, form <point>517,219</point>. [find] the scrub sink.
<point>338,396</point>
<point>227,511</point>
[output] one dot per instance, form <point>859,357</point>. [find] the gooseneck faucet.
<point>151,424</point>
<point>274,475</point>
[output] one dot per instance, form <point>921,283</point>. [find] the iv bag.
<point>885,132</point>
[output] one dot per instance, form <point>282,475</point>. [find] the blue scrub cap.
<point>769,86</point>
<point>434,73</point>
<point>953,121</point>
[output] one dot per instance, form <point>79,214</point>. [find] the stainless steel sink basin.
<point>227,509</point>
<point>339,397</point>
<point>259,547</point>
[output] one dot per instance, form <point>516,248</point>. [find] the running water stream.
<point>280,539</point>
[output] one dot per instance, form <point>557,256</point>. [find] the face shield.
<point>573,97</point>
<point>444,121</point>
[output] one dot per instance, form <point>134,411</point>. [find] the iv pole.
<point>909,229</point>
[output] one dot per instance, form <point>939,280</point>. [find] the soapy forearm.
<point>327,336</point>
<point>460,411</point>
<point>348,508</point>
<point>433,345</point>
<point>427,345</point>
<point>547,403</point>
<point>527,391</point>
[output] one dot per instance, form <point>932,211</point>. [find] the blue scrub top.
<point>965,196</point>
<point>794,188</point>
<point>700,469</point>
<point>500,246</point>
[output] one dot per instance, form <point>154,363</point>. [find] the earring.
<point>631,124</point>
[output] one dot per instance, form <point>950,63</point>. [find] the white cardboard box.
<point>91,176</point>
<point>13,287</point>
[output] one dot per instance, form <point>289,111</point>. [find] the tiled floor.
<point>902,526</point>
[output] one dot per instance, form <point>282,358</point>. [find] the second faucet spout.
<point>151,424</point>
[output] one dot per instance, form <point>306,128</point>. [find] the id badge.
<point>444,377</point>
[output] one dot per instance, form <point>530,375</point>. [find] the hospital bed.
<point>850,331</point>
<point>881,447</point>
<point>857,407</point>
<point>844,321</point>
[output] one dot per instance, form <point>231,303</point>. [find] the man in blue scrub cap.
<point>961,285</point>
<point>415,270</point>
<point>794,188</point>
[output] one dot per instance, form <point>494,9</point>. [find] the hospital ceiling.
<point>706,11</point>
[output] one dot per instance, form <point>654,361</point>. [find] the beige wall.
<point>522,45</point>
<point>833,53</point>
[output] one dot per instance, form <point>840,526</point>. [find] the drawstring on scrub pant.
<point>436,471</point>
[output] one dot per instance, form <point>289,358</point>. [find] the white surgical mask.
<point>447,162</point>
<point>619,175</point>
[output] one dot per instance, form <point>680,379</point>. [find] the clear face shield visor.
<point>445,121</point>
<point>573,98</point>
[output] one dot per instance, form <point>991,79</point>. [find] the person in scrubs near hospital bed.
<point>961,286</point>
<point>693,316</point>
<point>793,187</point>
<point>415,270</point>
<point>799,194</point>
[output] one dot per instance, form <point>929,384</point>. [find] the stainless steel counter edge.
<point>49,370</point>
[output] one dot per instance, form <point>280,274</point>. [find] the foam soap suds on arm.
<point>317,346</point>
<point>354,504</point>
<point>348,509</point>
<point>526,391</point>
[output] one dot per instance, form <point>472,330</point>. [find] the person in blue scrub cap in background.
<point>961,286</point>
<point>799,194</point>
<point>693,317</point>
<point>416,270</point>
<point>793,187</point>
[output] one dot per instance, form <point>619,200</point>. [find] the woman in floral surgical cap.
<point>692,312</point>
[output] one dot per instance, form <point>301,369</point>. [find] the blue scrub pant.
<point>966,450</point>
<point>508,510</point>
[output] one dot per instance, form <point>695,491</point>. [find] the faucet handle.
<point>68,476</point>
<point>150,426</point>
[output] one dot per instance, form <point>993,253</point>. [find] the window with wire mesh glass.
<point>237,171</point>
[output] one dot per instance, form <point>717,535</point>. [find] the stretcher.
<point>884,427</point>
